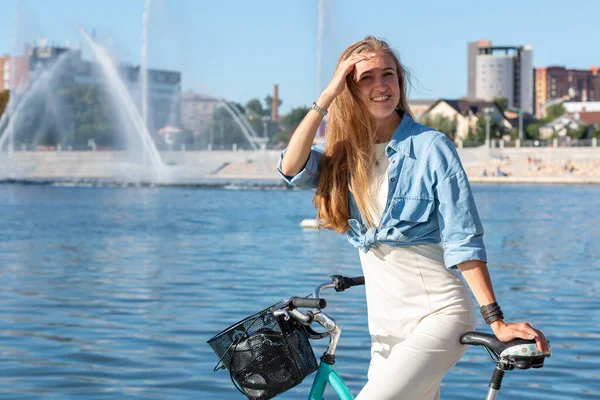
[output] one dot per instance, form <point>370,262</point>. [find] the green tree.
<point>476,136</point>
<point>269,104</point>
<point>225,131</point>
<point>579,133</point>
<point>441,124</point>
<point>288,124</point>
<point>4,97</point>
<point>502,103</point>
<point>553,112</point>
<point>532,131</point>
<point>254,106</point>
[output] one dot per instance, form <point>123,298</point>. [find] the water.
<point>112,293</point>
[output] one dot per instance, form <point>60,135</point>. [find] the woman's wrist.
<point>497,324</point>
<point>491,313</point>
<point>325,100</point>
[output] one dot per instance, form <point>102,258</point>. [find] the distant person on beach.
<point>399,192</point>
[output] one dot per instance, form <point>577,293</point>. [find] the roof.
<point>513,118</point>
<point>463,106</point>
<point>191,96</point>
<point>420,102</point>
<point>590,118</point>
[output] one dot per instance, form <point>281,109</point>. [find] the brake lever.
<point>312,334</point>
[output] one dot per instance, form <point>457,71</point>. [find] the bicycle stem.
<point>334,332</point>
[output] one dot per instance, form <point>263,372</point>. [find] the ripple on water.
<point>112,293</point>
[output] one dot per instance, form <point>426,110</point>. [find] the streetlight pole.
<point>487,111</point>
<point>521,125</point>
<point>265,120</point>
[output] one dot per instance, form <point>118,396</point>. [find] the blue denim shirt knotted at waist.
<point>429,197</point>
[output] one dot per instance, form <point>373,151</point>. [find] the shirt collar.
<point>401,141</point>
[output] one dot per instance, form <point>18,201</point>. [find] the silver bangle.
<point>318,109</point>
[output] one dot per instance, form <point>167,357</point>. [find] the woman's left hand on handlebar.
<point>507,332</point>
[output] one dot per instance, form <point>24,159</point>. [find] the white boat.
<point>309,223</point>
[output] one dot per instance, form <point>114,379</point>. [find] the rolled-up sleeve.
<point>309,176</point>
<point>460,227</point>
<point>461,230</point>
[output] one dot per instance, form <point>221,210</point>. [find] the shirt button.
<point>393,161</point>
<point>393,179</point>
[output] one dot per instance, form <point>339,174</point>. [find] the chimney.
<point>275,105</point>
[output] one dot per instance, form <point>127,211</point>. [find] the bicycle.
<point>269,353</point>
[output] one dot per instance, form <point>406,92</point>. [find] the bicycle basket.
<point>264,354</point>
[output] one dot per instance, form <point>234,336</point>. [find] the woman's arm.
<point>298,149</point>
<point>477,276</point>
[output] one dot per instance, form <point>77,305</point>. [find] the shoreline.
<point>534,180</point>
<point>269,183</point>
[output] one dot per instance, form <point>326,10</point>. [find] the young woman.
<point>398,190</point>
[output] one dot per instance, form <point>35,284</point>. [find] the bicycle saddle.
<point>522,353</point>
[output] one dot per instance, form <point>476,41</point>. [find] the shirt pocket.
<point>412,210</point>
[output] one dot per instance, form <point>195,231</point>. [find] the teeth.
<point>380,98</point>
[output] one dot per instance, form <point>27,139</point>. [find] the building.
<point>554,83</point>
<point>8,76</point>
<point>464,113</point>
<point>419,107</point>
<point>197,111</point>
<point>164,87</point>
<point>578,107</point>
<point>4,73</point>
<point>501,71</point>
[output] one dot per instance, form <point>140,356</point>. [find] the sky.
<point>238,49</point>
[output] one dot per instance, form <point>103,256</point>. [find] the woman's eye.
<point>365,77</point>
<point>388,74</point>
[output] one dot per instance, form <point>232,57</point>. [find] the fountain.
<point>26,153</point>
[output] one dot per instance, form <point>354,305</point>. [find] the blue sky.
<point>238,49</point>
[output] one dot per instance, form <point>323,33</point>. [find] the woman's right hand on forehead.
<point>338,82</point>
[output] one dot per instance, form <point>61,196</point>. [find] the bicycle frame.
<point>326,374</point>
<point>516,354</point>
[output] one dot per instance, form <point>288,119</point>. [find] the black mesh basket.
<point>265,355</point>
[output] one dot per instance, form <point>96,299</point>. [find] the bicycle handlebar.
<point>342,283</point>
<point>297,302</point>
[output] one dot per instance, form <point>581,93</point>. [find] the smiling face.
<point>378,86</point>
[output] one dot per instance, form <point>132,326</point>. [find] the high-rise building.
<point>501,71</point>
<point>554,83</point>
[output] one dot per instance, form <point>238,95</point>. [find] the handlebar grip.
<point>342,282</point>
<point>308,303</point>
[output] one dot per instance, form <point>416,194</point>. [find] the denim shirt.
<point>429,197</point>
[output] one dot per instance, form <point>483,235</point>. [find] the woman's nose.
<point>378,83</point>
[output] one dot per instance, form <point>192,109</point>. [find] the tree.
<point>4,97</point>
<point>578,133</point>
<point>289,123</point>
<point>532,131</point>
<point>269,104</point>
<point>553,112</point>
<point>441,124</point>
<point>255,107</point>
<point>225,131</point>
<point>476,136</point>
<point>596,132</point>
<point>502,103</point>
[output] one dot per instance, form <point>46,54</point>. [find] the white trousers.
<point>418,310</point>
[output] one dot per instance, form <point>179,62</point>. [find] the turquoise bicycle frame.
<point>326,374</point>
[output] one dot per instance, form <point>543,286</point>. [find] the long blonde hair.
<point>347,161</point>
